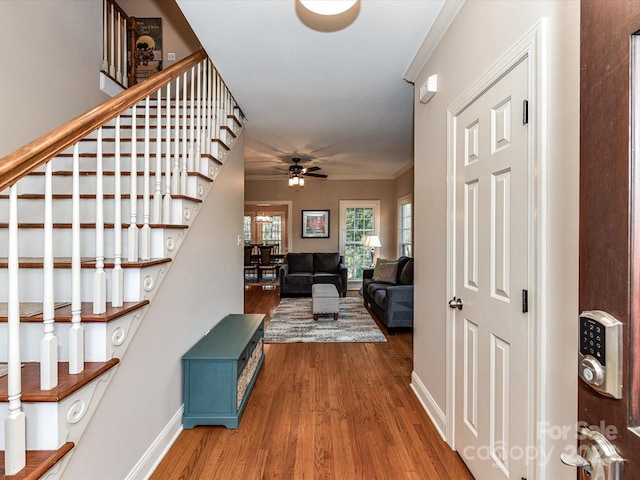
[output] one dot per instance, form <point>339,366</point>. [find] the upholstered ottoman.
<point>325,299</point>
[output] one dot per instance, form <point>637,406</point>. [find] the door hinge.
<point>525,112</point>
<point>525,301</point>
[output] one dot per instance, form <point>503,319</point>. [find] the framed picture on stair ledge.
<point>315,223</point>
<point>148,48</point>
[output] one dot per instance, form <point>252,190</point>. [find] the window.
<point>265,233</point>
<point>247,229</point>
<point>271,233</point>
<point>404,225</point>
<point>357,220</point>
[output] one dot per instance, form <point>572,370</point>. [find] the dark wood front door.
<point>609,257</point>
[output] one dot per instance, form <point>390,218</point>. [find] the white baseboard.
<point>437,416</point>
<point>158,449</point>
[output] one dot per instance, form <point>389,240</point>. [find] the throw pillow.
<point>406,275</point>
<point>385,271</point>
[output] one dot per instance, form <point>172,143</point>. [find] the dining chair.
<point>267,262</point>
<point>249,265</point>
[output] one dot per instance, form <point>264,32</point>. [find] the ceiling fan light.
<point>301,182</point>
<point>328,7</point>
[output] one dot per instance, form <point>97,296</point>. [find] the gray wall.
<point>52,51</point>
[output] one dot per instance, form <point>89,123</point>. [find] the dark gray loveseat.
<point>392,301</point>
<point>299,271</point>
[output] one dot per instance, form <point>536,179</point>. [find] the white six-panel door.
<point>491,332</point>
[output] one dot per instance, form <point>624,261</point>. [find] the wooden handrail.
<point>36,153</point>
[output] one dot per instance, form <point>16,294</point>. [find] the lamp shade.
<point>372,241</point>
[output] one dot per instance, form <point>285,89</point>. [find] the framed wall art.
<point>148,53</point>
<point>315,223</point>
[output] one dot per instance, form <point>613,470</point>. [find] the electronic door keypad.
<point>600,355</point>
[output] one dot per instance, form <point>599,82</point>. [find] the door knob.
<point>599,459</point>
<point>455,303</point>
<point>575,460</point>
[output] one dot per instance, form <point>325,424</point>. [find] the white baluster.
<point>192,126</point>
<point>118,52</point>
<point>175,176</point>
<point>99,276</point>
<point>133,191</point>
<point>14,424</point>
<point>49,343</point>
<point>206,146</point>
<point>105,36</point>
<point>124,53</point>
<point>112,66</point>
<point>220,116</point>
<point>166,206</point>
<point>117,275</point>
<point>185,131</point>
<point>76,332</point>
<point>145,234</point>
<point>157,194</point>
<point>198,133</point>
<point>214,133</point>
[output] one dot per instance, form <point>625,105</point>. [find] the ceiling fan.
<point>298,170</point>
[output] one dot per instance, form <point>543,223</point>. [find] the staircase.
<point>91,216</point>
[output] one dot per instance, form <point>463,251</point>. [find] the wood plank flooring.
<point>339,411</point>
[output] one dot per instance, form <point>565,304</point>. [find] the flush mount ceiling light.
<point>328,7</point>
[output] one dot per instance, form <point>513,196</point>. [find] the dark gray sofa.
<point>392,302</point>
<point>299,271</point>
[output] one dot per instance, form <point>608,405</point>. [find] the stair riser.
<point>32,210</point>
<point>103,341</point>
<point>63,184</point>
<point>50,425</point>
<point>88,164</point>
<point>109,147</point>
<point>31,284</point>
<point>164,242</point>
<point>31,333</point>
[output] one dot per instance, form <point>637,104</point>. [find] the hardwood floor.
<point>340,411</point>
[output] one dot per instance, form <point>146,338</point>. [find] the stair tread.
<point>67,383</point>
<point>38,462</point>
<point>63,313</point>
<point>93,225</point>
<point>126,173</point>
<point>62,196</point>
<point>85,262</point>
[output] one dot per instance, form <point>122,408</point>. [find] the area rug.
<point>293,322</point>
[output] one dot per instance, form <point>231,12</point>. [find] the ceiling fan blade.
<point>313,169</point>
<point>319,175</point>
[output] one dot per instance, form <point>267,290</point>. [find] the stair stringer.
<point>125,333</point>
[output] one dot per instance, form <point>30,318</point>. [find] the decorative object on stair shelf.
<point>148,47</point>
<point>372,242</point>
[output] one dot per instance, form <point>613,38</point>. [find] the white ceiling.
<point>329,90</point>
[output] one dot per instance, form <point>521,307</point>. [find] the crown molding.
<point>440,26</point>
<point>403,170</point>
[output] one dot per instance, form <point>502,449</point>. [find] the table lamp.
<point>373,242</point>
